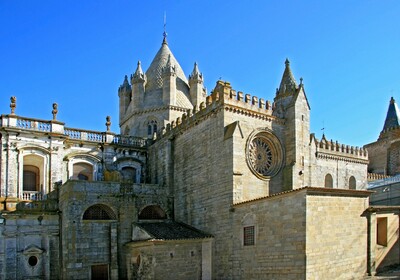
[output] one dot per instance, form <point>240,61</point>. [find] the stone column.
<point>371,246</point>
<point>113,251</point>
<point>206,261</point>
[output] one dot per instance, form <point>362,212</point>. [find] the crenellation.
<point>240,96</point>
<point>337,148</point>
<point>247,98</point>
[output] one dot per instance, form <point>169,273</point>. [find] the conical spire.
<point>392,116</point>
<point>154,72</point>
<point>125,84</point>
<point>288,82</point>
<point>196,75</point>
<point>138,75</point>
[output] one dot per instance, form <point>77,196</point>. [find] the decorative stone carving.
<point>264,154</point>
<point>108,122</point>
<point>13,104</point>
<point>55,111</point>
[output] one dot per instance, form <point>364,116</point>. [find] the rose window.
<point>260,156</point>
<point>264,154</point>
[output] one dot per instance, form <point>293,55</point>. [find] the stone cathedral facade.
<point>194,186</point>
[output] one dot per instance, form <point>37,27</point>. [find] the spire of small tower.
<point>138,75</point>
<point>169,68</point>
<point>196,75</point>
<point>125,84</point>
<point>288,82</point>
<point>392,116</point>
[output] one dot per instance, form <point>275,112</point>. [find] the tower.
<point>196,83</point>
<point>291,104</point>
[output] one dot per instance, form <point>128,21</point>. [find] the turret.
<point>286,90</point>
<point>125,94</point>
<point>138,79</point>
<point>169,83</point>
<point>291,103</point>
<point>197,91</point>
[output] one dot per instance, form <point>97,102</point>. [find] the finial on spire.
<point>287,62</point>
<point>165,29</point>
<point>392,101</point>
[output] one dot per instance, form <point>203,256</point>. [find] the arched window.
<point>152,212</point>
<point>83,171</point>
<point>151,127</point>
<point>328,181</point>
<point>352,183</point>
<point>99,212</point>
<point>30,180</point>
<point>128,174</point>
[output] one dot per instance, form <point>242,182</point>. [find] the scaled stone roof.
<point>171,230</point>
<point>154,81</point>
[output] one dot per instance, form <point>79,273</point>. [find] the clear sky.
<point>76,53</point>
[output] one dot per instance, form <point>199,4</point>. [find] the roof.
<point>392,116</point>
<point>171,230</point>
<point>314,191</point>
<point>288,82</point>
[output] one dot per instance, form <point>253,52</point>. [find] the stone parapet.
<point>335,150</point>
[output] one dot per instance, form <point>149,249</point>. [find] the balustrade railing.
<point>130,141</point>
<point>33,124</point>
<point>72,133</point>
<point>31,195</point>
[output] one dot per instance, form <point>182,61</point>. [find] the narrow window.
<point>248,236</point>
<point>381,232</point>
<point>352,183</point>
<point>328,181</point>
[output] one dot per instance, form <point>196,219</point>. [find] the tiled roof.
<point>171,230</point>
<point>313,190</point>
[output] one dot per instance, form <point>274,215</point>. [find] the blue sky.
<point>76,53</point>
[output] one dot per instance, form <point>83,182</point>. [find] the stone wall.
<point>336,235</point>
<point>29,246</point>
<point>90,242</point>
<point>387,253</point>
<point>280,239</point>
<point>175,259</point>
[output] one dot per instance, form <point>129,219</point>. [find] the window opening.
<point>381,233</point>
<point>328,181</point>
<point>99,212</point>
<point>352,183</point>
<point>153,212</point>
<point>248,236</point>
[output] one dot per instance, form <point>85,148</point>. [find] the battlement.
<point>335,149</point>
<point>223,96</point>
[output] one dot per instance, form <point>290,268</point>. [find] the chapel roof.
<point>171,230</point>
<point>392,116</point>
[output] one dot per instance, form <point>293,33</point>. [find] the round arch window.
<point>33,260</point>
<point>264,154</point>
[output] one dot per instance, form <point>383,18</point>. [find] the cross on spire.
<point>165,27</point>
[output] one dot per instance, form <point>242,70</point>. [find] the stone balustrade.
<point>31,124</point>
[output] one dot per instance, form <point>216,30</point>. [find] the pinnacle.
<point>392,117</point>
<point>288,82</point>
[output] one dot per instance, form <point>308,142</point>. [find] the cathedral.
<point>194,186</point>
